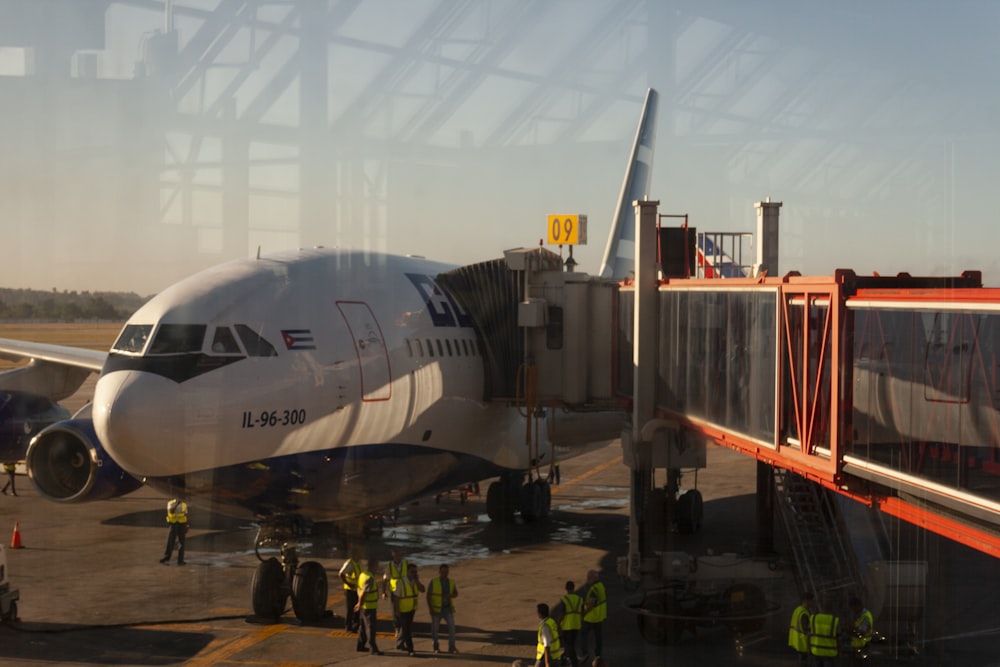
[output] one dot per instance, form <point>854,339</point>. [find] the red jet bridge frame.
<point>885,388</point>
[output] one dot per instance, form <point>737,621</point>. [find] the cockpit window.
<point>254,344</point>
<point>178,338</point>
<point>133,338</point>
<point>224,342</point>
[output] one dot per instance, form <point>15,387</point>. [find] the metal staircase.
<point>825,563</point>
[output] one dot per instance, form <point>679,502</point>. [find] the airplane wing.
<point>55,371</point>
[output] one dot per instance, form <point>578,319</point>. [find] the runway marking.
<point>230,648</point>
<point>589,473</point>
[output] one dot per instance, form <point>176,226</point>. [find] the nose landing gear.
<point>274,580</point>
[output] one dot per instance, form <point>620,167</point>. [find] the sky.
<point>141,145</point>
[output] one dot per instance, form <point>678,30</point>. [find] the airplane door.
<point>369,344</point>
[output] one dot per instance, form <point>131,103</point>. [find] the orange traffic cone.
<point>15,541</point>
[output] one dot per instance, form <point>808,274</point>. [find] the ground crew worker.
<point>395,571</point>
<point>441,593</point>
<point>861,632</point>
<point>569,615</point>
<point>595,610</point>
<point>823,639</point>
<point>177,520</point>
<point>799,627</point>
<point>408,591</point>
<point>367,606</point>
<point>11,469</point>
<point>549,650</point>
<point>350,571</point>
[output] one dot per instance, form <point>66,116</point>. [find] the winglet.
<point>619,254</point>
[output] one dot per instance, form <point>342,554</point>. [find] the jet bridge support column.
<point>637,449</point>
<point>767,263</point>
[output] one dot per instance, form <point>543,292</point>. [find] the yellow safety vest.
<point>369,597</point>
<point>435,595</point>
<point>597,603</point>
<point>396,572</point>
<point>572,611</point>
<point>865,639</point>
<point>9,467</point>
<point>177,512</point>
<point>351,573</point>
<point>798,631</point>
<point>407,594</point>
<point>555,648</point>
<point>823,640</point>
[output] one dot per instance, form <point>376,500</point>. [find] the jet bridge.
<point>547,333</point>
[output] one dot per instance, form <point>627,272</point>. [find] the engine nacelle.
<point>67,464</point>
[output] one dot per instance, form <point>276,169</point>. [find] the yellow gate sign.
<point>568,229</point>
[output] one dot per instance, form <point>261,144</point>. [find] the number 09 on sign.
<point>568,229</point>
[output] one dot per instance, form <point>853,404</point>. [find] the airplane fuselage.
<point>314,381</point>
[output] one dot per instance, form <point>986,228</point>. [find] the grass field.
<point>92,335</point>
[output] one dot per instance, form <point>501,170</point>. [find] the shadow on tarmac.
<point>131,646</point>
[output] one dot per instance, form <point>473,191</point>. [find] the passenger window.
<point>254,344</point>
<point>178,338</point>
<point>430,348</point>
<point>224,342</point>
<point>447,344</point>
<point>440,348</point>
<point>420,348</point>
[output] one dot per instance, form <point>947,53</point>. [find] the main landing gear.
<point>275,580</point>
<point>510,494</point>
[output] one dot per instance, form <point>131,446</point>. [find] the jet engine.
<point>67,464</point>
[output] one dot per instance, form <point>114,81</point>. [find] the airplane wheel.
<point>12,612</point>
<point>267,589</point>
<point>309,592</point>
<point>690,509</point>
<point>498,505</point>
<point>531,502</point>
<point>546,493</point>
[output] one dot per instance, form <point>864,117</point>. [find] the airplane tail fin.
<point>619,254</point>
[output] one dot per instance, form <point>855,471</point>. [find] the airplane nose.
<point>131,414</point>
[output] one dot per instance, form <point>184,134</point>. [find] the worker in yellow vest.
<point>823,640</point>
<point>395,570</point>
<point>800,626</point>
<point>569,615</point>
<point>441,594</point>
<point>367,606</point>
<point>549,650</point>
<point>177,520</point>
<point>11,469</point>
<point>350,572</point>
<point>405,599</point>
<point>595,610</point>
<point>861,632</point>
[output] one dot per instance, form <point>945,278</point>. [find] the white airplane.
<point>317,384</point>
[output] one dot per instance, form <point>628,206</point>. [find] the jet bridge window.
<point>178,338</point>
<point>254,344</point>
<point>133,338</point>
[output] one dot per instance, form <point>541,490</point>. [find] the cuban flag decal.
<point>298,339</point>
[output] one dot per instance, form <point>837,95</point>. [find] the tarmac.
<point>92,590</point>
